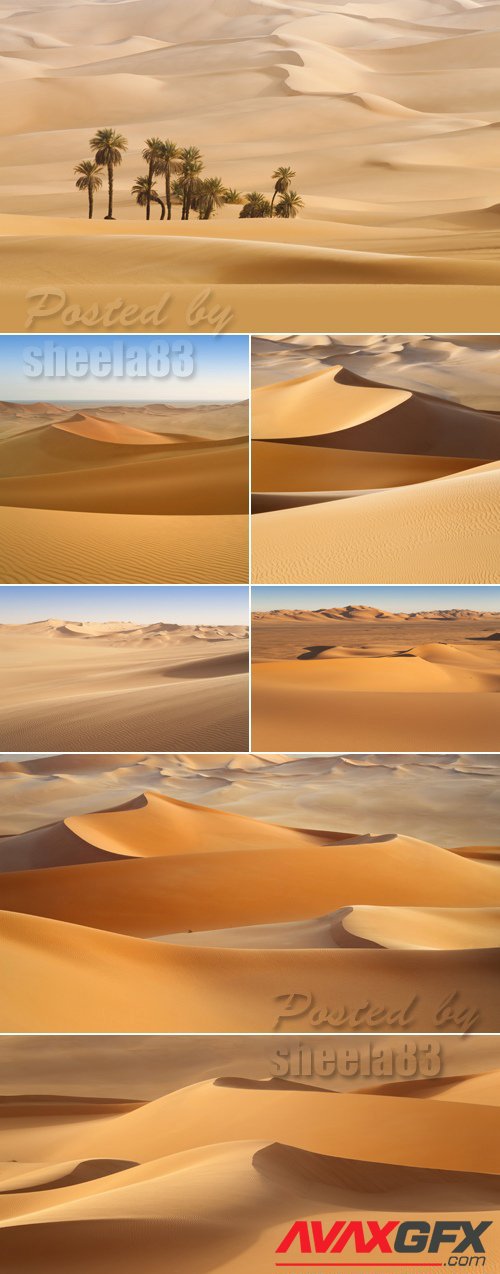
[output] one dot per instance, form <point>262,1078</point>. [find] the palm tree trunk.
<point>91,203</point>
<point>109,216</point>
<point>163,209</point>
<point>150,183</point>
<point>272,201</point>
<point>168,192</point>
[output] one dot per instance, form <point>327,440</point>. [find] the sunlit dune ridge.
<point>191,900</point>
<point>382,484</point>
<point>218,1166</point>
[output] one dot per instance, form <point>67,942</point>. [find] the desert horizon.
<point>102,482</point>
<point>105,682</point>
<point>300,153</point>
<point>126,493</point>
<point>373,461</point>
<point>359,675</point>
<point>356,883</point>
<point>115,1148</point>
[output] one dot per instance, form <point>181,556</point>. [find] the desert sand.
<point>113,1152</point>
<point>151,914</point>
<point>359,482</point>
<point>356,676</point>
<point>452,799</point>
<point>388,119</point>
<point>86,685</point>
<point>126,494</point>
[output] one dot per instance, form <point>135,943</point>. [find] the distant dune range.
<point>83,685</point>
<point>460,368</point>
<point>126,1147</point>
<point>366,678</point>
<point>85,497</point>
<point>407,485</point>
<point>151,916</point>
<point>452,799</point>
<point>388,118</point>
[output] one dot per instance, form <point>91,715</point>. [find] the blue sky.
<point>394,598</point>
<point>144,604</point>
<point>215,371</point>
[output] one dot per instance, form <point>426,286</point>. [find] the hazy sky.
<point>210,368</point>
<point>144,604</point>
<point>393,598</point>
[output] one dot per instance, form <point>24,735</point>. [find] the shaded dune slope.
<point>88,476</point>
<point>420,424</point>
<point>152,915</point>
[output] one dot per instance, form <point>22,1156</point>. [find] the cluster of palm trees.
<point>181,171</point>
<point>289,203</point>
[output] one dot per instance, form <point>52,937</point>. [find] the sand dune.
<point>282,467</point>
<point>436,797</point>
<point>93,685</point>
<point>219,1168</point>
<point>187,892</point>
<point>178,986</point>
<point>436,688</point>
<point>407,928</point>
<point>398,501</point>
<point>452,522</point>
<point>87,426</point>
<point>151,916</point>
<point>457,368</point>
<point>200,1115</point>
<point>229,258</point>
<point>297,711</point>
<point>381,675</point>
<point>316,403</point>
<point>52,846</point>
<point>86,498</point>
<point>161,826</point>
<point>387,119</point>
<point>42,544</point>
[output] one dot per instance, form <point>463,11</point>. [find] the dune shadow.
<point>86,1171</point>
<point>312,652</point>
<point>272,1085</point>
<point>335,1180</point>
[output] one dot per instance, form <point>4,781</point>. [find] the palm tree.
<point>192,164</point>
<point>256,206</point>
<point>289,205</point>
<point>169,163</point>
<point>152,154</point>
<point>109,147</point>
<point>211,194</point>
<point>283,178</point>
<point>145,195</point>
<point>89,179</point>
<point>232,195</point>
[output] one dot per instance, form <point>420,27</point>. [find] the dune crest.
<point>398,498</point>
<point>124,493</point>
<point>387,119</point>
<point>94,683</point>
<point>219,1154</point>
<point>86,426</point>
<point>146,910</point>
<point>318,403</point>
<point>164,826</point>
<point>417,679</point>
